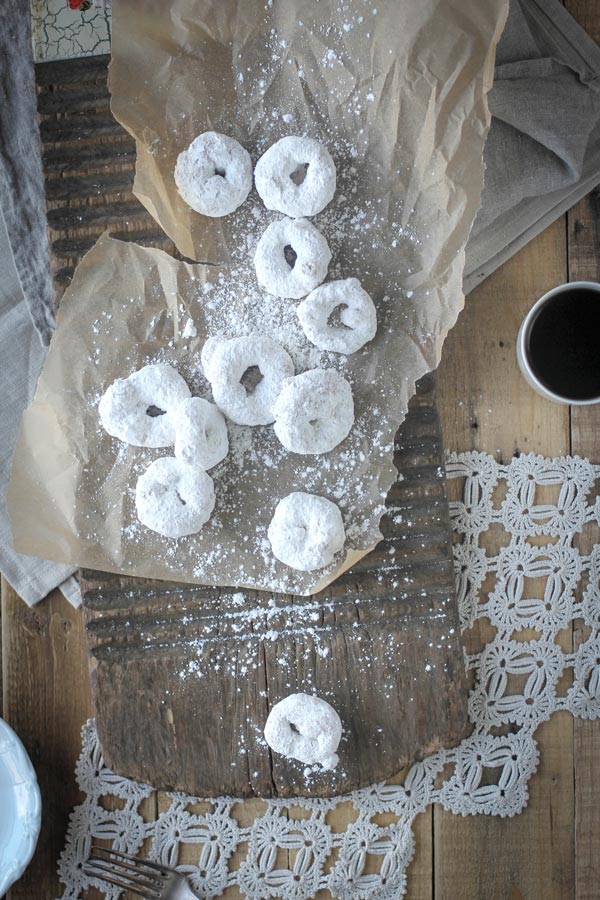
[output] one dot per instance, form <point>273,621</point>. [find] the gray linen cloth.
<point>542,156</point>
<point>21,179</point>
<point>26,310</point>
<point>543,151</point>
<point>22,355</point>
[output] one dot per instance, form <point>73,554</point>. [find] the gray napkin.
<point>22,355</point>
<point>21,179</point>
<point>543,151</point>
<point>25,284</point>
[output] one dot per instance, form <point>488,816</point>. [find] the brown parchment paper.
<point>399,99</point>
<point>395,89</point>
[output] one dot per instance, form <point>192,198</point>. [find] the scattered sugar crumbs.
<point>360,234</point>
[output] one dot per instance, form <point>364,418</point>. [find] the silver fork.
<point>150,880</point>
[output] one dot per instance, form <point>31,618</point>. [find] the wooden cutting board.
<point>183,677</point>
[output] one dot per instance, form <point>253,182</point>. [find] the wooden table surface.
<point>552,850</point>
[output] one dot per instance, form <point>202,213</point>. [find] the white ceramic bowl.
<point>20,806</point>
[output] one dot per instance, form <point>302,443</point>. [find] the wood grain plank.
<point>46,701</point>
<point>419,877</point>
<point>484,402</point>
<point>584,265</point>
<point>587,13</point>
<point>584,246</point>
<point>530,856</point>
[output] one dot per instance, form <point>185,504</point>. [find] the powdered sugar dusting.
<point>372,238</point>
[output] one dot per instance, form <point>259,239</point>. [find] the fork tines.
<point>130,873</point>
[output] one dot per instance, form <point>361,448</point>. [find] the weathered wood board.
<point>182,676</point>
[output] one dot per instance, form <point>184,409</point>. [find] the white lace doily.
<point>538,581</point>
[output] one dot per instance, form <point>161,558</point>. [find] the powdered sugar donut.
<point>200,433</point>
<point>296,176</point>
<point>246,375</point>
<point>214,174</point>
<point>291,258</point>
<point>358,316</point>
<point>174,499</point>
<point>314,411</point>
<point>306,728</point>
<point>140,409</point>
<point>306,531</point>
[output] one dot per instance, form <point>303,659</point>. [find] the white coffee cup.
<point>523,357</point>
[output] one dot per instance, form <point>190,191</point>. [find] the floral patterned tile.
<point>67,29</point>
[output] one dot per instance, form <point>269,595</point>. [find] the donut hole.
<point>294,728</point>
<point>334,319</point>
<point>154,411</point>
<point>317,427</point>
<point>180,498</point>
<point>251,378</point>
<point>220,172</point>
<point>299,174</point>
<point>290,255</point>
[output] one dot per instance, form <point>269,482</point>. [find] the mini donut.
<point>306,531</point>
<point>226,361</point>
<point>296,176</point>
<point>314,411</point>
<point>291,258</point>
<point>174,499</point>
<point>358,316</point>
<point>214,174</point>
<point>200,433</point>
<point>305,728</point>
<point>141,409</point>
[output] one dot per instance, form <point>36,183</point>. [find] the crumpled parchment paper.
<point>397,93</point>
